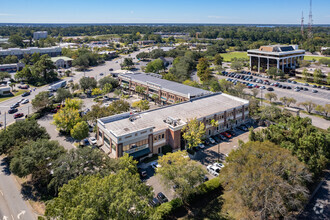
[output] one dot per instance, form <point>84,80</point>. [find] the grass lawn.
<point>315,57</point>
<point>20,92</point>
<point>228,56</point>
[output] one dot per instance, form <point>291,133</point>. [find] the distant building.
<point>19,52</point>
<point>12,67</point>
<point>279,56</point>
<point>143,134</point>
<point>145,42</point>
<point>62,62</point>
<point>168,61</point>
<point>40,35</point>
<point>167,91</point>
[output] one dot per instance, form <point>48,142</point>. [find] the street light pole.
<point>219,152</point>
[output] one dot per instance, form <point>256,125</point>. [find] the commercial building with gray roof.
<point>166,91</point>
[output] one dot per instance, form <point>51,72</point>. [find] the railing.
<point>133,150</point>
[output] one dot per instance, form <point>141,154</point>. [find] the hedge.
<point>166,209</point>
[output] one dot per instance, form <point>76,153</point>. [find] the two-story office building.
<point>280,56</point>
<point>141,134</point>
<point>167,91</point>
<point>19,52</point>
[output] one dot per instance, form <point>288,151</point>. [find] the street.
<point>12,204</point>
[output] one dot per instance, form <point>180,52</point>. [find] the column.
<point>278,63</point>
<point>295,65</point>
<point>250,63</point>
<point>287,62</point>
<point>267,63</point>
<point>283,65</point>
<point>258,64</point>
<point>291,63</point>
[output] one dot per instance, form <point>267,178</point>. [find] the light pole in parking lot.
<point>219,152</point>
<point>260,96</point>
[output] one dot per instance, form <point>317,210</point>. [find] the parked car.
<point>213,170</point>
<point>314,91</point>
<point>231,132</point>
<point>161,197</point>
<point>227,135</point>
<point>216,138</point>
<point>270,89</point>
<point>205,178</point>
<point>222,137</point>
<point>101,74</point>
<point>154,202</point>
<point>93,140</point>
<point>110,69</point>
<point>142,173</point>
<point>219,165</point>
<point>18,115</point>
<point>12,110</point>
<point>15,105</point>
<point>53,110</point>
<point>85,142</point>
<point>201,146</point>
<point>25,101</point>
<point>155,165</point>
<point>211,140</point>
<point>26,94</point>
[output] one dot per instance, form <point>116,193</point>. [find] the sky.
<point>165,11</point>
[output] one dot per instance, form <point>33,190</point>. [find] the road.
<point>92,72</point>
<point>12,204</point>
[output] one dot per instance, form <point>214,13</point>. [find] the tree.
<point>12,85</point>
<point>87,83</point>
<point>34,157</point>
<point>326,110</point>
<point>140,90</point>
<point>20,132</point>
<point>108,80</point>
<point>155,97</point>
<point>176,169</point>
<point>274,182</point>
<point>96,92</point>
<point>155,66</point>
<point>16,40</point>
<point>142,56</point>
<point>117,92</point>
<point>94,197</point>
<point>215,86</point>
<point>273,71</point>
<point>218,59</point>
<point>255,92</point>
<point>80,130</point>
<point>225,85</point>
<point>203,70</point>
<point>41,101</point>
<point>236,65</point>
<point>193,132</point>
<point>287,101</point>
<point>128,62</point>
<point>73,103</point>
<point>62,94</point>
<point>308,105</point>
<point>271,96</point>
<point>239,89</point>
<point>66,119</point>
<point>44,69</point>
<point>107,88</point>
<point>317,75</point>
<point>142,105</point>
<point>305,74</point>
<point>4,75</point>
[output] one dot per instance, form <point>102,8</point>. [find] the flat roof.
<point>54,59</point>
<point>196,108</point>
<point>166,85</point>
<point>276,53</point>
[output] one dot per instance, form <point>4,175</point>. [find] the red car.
<point>18,115</point>
<point>226,134</point>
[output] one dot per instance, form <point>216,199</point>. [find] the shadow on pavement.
<point>5,166</point>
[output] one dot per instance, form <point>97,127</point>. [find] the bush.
<point>206,188</point>
<point>166,149</point>
<point>191,151</point>
<point>34,116</point>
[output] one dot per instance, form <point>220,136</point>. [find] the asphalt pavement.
<point>12,204</point>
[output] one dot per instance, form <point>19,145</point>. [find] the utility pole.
<point>302,24</point>
<point>5,120</point>
<point>260,97</point>
<point>219,152</point>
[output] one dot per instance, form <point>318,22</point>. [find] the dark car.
<point>154,202</point>
<point>12,110</point>
<point>216,138</point>
<point>222,137</point>
<point>270,89</point>
<point>15,105</point>
<point>232,133</point>
<point>161,197</point>
<point>18,115</point>
<point>205,178</point>
<point>289,87</point>
<point>25,94</point>
<point>305,89</point>
<point>243,128</point>
<point>53,110</point>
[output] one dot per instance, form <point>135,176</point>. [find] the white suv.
<point>219,165</point>
<point>214,170</point>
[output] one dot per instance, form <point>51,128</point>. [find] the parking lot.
<point>211,154</point>
<point>299,91</point>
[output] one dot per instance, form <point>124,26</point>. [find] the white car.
<point>25,101</point>
<point>92,140</point>
<point>219,165</point>
<point>213,170</point>
<point>155,165</point>
<point>212,140</point>
<point>201,146</point>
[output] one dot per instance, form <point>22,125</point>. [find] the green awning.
<point>140,153</point>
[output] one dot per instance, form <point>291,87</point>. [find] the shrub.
<point>166,209</point>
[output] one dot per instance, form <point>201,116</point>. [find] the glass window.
<point>163,135</point>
